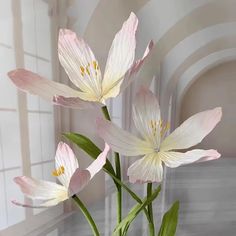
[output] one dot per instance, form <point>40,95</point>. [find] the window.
<point>27,124</point>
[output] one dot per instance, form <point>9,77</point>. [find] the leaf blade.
<point>89,147</point>
<point>170,221</point>
<point>136,210</point>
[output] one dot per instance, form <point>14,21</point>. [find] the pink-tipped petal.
<point>121,54</point>
<point>79,62</point>
<point>98,164</point>
<point>132,73</point>
<point>122,83</point>
<point>80,178</point>
<point>146,115</point>
<point>37,85</point>
<point>78,181</point>
<point>120,140</point>
<point>212,155</point>
<point>74,102</point>
<point>39,189</point>
<point>175,159</point>
<point>147,169</point>
<point>65,158</point>
<point>193,130</point>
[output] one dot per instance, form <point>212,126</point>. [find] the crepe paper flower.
<point>69,174</point>
<point>155,148</point>
<point>84,72</point>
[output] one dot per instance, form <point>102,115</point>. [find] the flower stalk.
<point>87,215</point>
<point>150,211</point>
<point>118,175</point>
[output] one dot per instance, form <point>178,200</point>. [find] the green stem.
<point>119,190</point>
<point>106,113</point>
<point>87,215</point>
<point>132,194</point>
<point>150,211</point>
<point>118,175</point>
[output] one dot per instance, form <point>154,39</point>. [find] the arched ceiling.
<point>200,16</point>
<point>187,56</point>
<point>199,68</point>
<point>185,32</point>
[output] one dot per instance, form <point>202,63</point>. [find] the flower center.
<point>159,127</point>
<point>59,171</point>
<point>87,69</point>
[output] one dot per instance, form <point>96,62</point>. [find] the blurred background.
<point>194,62</point>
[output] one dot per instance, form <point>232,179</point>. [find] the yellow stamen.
<point>82,70</point>
<point>165,128</point>
<point>95,65</point>
<point>59,171</point>
<point>154,127</point>
<point>87,69</point>
<point>159,126</point>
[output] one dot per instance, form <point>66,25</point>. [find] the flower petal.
<point>147,169</point>
<point>79,62</point>
<point>39,189</point>
<point>35,84</point>
<point>121,84</point>
<point>81,178</point>
<point>120,140</point>
<point>45,204</point>
<point>74,102</point>
<point>213,155</point>
<point>132,73</point>
<point>175,159</point>
<point>78,181</point>
<point>121,54</point>
<point>100,161</point>
<point>193,130</point>
<point>65,158</point>
<point>15,202</point>
<point>146,115</point>
<point>54,202</point>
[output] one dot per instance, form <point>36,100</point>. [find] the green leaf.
<point>170,221</point>
<point>135,211</point>
<point>89,147</point>
<point>126,228</point>
<point>84,143</point>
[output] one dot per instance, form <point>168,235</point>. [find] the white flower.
<point>155,148</point>
<point>84,72</point>
<point>72,178</point>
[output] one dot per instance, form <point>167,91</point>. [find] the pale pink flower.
<point>84,72</point>
<point>154,146</point>
<point>69,174</point>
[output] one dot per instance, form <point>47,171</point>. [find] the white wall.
<point>215,88</point>
<point>207,190</point>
